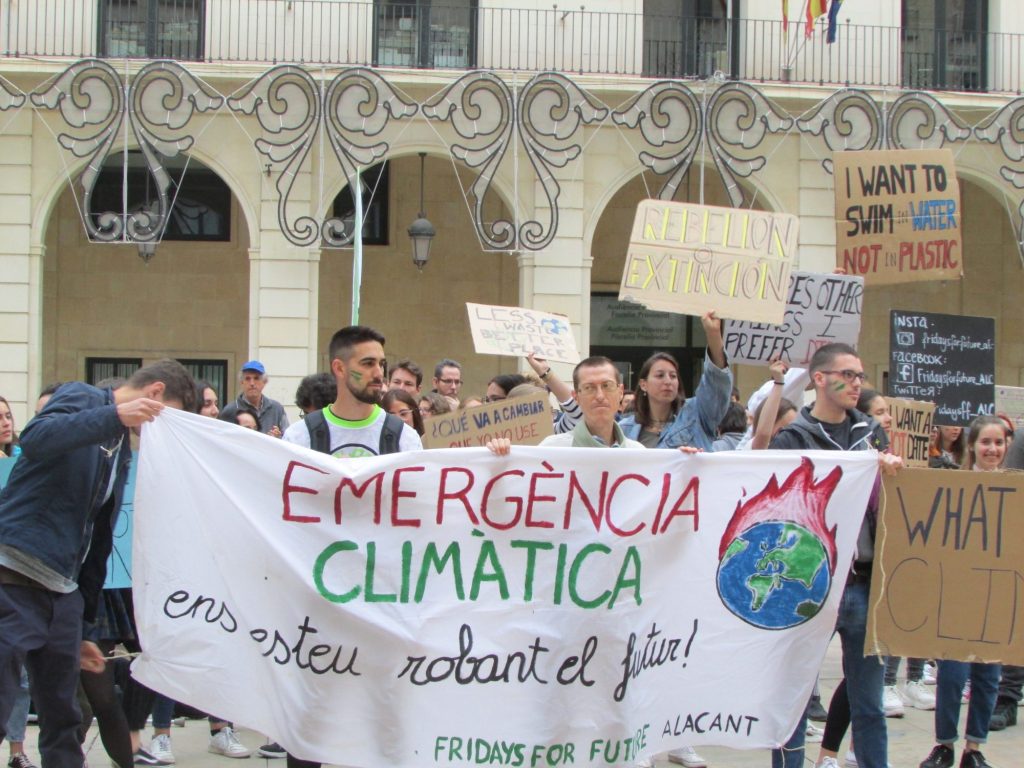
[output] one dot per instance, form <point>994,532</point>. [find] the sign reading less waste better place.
<point>691,259</point>
<point>519,332</point>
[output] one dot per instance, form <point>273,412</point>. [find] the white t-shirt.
<point>353,439</point>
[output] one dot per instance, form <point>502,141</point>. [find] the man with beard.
<point>354,424</point>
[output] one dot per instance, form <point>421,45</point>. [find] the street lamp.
<point>421,231</point>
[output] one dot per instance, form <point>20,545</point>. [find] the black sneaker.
<point>941,757</point>
<point>20,760</point>
<point>144,757</point>
<point>272,750</point>
<point>815,711</point>
<point>974,759</point>
<point>1004,716</point>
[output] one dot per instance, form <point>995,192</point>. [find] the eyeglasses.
<point>494,398</point>
<point>608,387</point>
<point>402,413</point>
<point>850,375</point>
<point>450,382</point>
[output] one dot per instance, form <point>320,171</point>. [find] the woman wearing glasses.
<point>400,403</point>
<point>663,417</point>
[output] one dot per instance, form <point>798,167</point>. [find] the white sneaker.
<point>645,762</point>
<point>928,678</point>
<point>891,702</point>
<point>918,696</point>
<point>226,743</point>
<point>814,734</point>
<point>688,757</point>
<point>160,748</point>
<point>828,762</point>
<point>851,759</point>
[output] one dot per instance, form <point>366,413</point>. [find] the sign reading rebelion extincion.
<point>692,259</point>
<point>450,607</point>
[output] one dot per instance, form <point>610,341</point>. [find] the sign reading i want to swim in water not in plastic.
<point>692,259</point>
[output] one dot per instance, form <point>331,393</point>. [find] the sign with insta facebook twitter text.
<point>518,332</point>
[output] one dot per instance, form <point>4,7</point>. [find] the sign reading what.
<point>949,360</point>
<point>820,309</point>
<point>691,259</point>
<point>1010,400</point>
<point>946,578</point>
<point>519,332</point>
<point>523,420</point>
<point>911,430</point>
<point>898,215</point>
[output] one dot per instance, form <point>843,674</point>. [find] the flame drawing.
<point>798,500</point>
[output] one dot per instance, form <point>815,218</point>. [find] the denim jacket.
<point>696,423</point>
<point>54,525</point>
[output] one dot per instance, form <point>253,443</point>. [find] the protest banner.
<point>523,420</point>
<point>946,577</point>
<point>691,259</point>
<point>556,606</point>
<point>911,430</point>
<point>1010,400</point>
<point>119,562</point>
<point>518,332</point>
<point>898,215</point>
<point>949,360</point>
<point>820,309</point>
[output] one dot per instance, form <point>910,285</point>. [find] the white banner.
<point>559,606</point>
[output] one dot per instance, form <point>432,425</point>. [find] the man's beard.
<point>365,395</point>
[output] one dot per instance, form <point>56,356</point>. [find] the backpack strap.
<point>319,433</point>
<point>390,434</point>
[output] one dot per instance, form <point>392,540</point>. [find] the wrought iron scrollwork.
<point>481,110</point>
<point>849,119</point>
<point>740,117</point>
<point>551,109</point>
<point>918,120</point>
<point>10,96</point>
<point>358,105</point>
<point>286,103</point>
<point>669,116</point>
<point>90,97</point>
<point>1005,128</point>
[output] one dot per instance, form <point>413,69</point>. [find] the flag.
<point>785,13</point>
<point>833,20</point>
<point>815,8</point>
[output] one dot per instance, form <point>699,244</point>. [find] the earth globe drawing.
<point>774,575</point>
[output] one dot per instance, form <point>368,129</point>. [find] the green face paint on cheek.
<point>838,386</point>
<point>356,375</point>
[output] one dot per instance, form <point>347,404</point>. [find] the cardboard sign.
<point>911,430</point>
<point>946,578</point>
<point>523,420</point>
<point>119,562</point>
<point>691,259</point>
<point>898,215</point>
<point>1010,400</point>
<point>949,360</point>
<point>820,309</point>
<point>518,332</point>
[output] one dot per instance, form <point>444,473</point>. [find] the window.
<point>426,34</point>
<point>98,369</point>
<point>945,44</point>
<point>202,201</point>
<point>685,38</point>
<point>152,29</point>
<point>376,191</point>
<point>213,371</point>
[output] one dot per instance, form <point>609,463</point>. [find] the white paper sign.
<point>518,332</point>
<point>411,609</point>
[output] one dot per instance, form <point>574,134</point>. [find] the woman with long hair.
<point>8,437</point>
<point>947,448</point>
<point>401,404</point>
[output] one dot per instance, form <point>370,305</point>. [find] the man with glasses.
<point>448,378</point>
<point>833,423</point>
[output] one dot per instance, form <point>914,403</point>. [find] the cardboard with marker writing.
<point>947,573</point>
<point>523,420</point>
<point>911,430</point>
<point>898,215</point>
<point>517,331</point>
<point>691,259</point>
<point>1010,400</point>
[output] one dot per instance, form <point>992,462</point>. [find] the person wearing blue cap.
<point>269,413</point>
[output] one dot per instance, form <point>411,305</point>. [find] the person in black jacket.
<point>57,515</point>
<point>833,423</point>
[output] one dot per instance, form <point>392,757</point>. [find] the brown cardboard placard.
<point>898,215</point>
<point>518,331</point>
<point>946,577</point>
<point>691,259</point>
<point>911,430</point>
<point>523,420</point>
<point>1010,400</point>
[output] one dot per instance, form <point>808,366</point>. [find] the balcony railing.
<point>464,35</point>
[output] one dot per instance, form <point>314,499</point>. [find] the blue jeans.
<point>19,712</point>
<point>950,685</point>
<point>863,688</point>
<point>163,711</point>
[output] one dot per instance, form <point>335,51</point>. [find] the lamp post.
<point>421,231</point>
